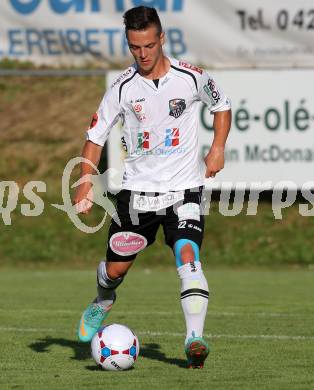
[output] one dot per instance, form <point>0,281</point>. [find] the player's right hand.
<point>83,198</point>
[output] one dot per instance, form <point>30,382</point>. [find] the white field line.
<point>163,313</point>
<point>26,330</point>
<point>232,336</point>
<point>177,334</point>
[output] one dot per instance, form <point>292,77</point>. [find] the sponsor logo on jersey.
<point>170,145</point>
<point>191,67</point>
<point>94,121</point>
<point>139,111</point>
<point>176,107</point>
<point>122,77</point>
<point>160,151</point>
<point>172,137</point>
<point>139,100</point>
<point>212,91</point>
<point>138,108</point>
<point>156,203</point>
<point>124,144</point>
<point>143,140</point>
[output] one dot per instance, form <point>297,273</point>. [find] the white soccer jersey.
<point>160,126</point>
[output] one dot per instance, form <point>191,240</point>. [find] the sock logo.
<point>193,266</point>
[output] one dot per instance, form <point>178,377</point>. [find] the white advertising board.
<point>272,136</point>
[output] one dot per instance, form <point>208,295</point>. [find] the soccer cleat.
<point>91,321</point>
<point>196,350</point>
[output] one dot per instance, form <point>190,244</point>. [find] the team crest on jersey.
<point>139,111</point>
<point>94,121</point>
<point>176,107</point>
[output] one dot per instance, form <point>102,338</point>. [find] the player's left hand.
<point>214,161</point>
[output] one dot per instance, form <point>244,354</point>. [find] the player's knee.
<point>186,251</point>
<point>187,254</point>
<point>108,276</point>
<point>116,270</point>
<point>114,274</point>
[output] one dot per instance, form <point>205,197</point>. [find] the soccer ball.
<point>115,347</point>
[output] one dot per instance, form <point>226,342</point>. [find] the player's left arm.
<point>220,106</point>
<point>215,158</point>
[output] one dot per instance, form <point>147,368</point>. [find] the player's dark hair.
<point>140,18</point>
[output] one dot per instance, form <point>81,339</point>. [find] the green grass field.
<point>259,324</point>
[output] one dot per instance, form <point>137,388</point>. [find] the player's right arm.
<point>83,196</point>
<point>103,120</point>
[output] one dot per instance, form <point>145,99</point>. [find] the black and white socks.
<point>194,297</point>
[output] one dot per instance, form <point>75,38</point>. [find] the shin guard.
<point>106,287</point>
<point>194,297</point>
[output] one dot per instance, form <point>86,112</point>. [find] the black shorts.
<point>182,220</point>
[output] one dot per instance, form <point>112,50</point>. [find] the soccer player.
<point>157,100</point>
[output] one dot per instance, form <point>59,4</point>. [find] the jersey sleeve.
<point>105,118</point>
<point>212,95</point>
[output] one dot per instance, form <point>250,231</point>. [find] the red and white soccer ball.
<point>115,347</point>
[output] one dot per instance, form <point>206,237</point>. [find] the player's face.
<point>146,47</point>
